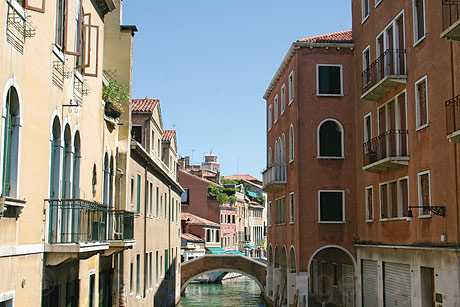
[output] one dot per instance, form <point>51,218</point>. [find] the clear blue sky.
<point>210,62</point>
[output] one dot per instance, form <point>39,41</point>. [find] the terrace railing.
<point>450,13</point>
<point>276,173</point>
<point>392,143</point>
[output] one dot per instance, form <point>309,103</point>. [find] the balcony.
<point>386,151</point>
<point>121,231</point>
<point>76,229</point>
<point>453,119</point>
<point>274,178</point>
<point>384,74</point>
<point>451,19</point>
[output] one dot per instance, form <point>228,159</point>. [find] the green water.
<point>241,291</point>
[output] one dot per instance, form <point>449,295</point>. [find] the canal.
<point>241,291</point>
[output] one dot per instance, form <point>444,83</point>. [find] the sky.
<point>210,62</point>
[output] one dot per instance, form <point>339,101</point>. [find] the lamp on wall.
<point>436,210</point>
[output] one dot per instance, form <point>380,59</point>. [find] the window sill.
<point>138,297</point>
<point>365,18</point>
<point>329,95</point>
<point>332,222</point>
<point>419,41</point>
<point>390,219</point>
<point>330,158</point>
<point>378,3</point>
<point>291,223</point>
<point>369,221</point>
<point>12,207</point>
<point>422,127</point>
<point>425,216</point>
<point>290,101</point>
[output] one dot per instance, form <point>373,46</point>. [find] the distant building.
<point>198,236</point>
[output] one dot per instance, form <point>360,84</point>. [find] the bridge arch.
<point>207,264</point>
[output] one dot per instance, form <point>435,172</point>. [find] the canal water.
<point>236,292</point>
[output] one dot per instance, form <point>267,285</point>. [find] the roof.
<point>168,135</point>
<point>144,105</point>
<point>336,37</point>
<point>190,237</point>
<point>197,220</point>
<point>242,177</point>
<point>202,179</point>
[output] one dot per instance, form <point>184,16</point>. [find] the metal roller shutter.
<point>348,285</point>
<point>396,284</point>
<point>369,277</point>
<point>315,277</point>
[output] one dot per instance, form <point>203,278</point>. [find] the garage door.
<point>348,285</point>
<point>396,285</point>
<point>369,277</point>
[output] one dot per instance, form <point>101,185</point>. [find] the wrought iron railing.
<point>392,143</point>
<point>17,27</point>
<point>453,114</point>
<point>122,223</point>
<point>76,221</point>
<point>450,12</point>
<point>391,62</point>
<point>276,173</point>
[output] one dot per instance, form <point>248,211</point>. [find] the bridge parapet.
<point>223,263</point>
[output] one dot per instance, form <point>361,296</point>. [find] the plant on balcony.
<point>115,97</point>
<point>222,195</point>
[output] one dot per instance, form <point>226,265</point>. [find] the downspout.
<point>169,235</point>
<point>120,185</point>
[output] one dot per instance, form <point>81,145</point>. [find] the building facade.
<point>310,174</point>
<point>406,76</point>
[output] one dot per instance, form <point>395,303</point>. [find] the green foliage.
<point>115,95</point>
<point>261,199</point>
<point>228,181</point>
<point>222,194</point>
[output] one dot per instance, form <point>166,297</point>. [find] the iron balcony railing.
<point>123,225</point>
<point>392,143</point>
<point>450,12</point>
<point>76,221</point>
<point>453,114</point>
<point>391,62</point>
<point>275,173</point>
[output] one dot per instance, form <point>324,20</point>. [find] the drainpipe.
<point>169,234</point>
<point>119,276</point>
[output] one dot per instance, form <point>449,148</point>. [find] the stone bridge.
<point>194,268</point>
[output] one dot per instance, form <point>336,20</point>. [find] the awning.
<point>233,252</point>
<point>215,250</point>
<point>252,194</point>
<point>248,246</point>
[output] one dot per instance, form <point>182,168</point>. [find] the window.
<point>269,117</point>
<point>291,87</point>
<point>172,209</point>
<point>138,199</point>
<point>185,198</point>
<point>329,80</point>
<point>394,199</point>
<point>208,235</point>
<point>280,210</point>
<point>131,277</point>
<point>166,206</point>
<point>421,99</point>
<point>291,207</point>
<point>366,64</point>
<point>159,148</point>
<point>291,143</point>
<point>150,270</point>
<point>419,20</point>
<point>369,194</point>
<point>132,191</point>
<point>365,9</point>
<point>270,213</point>
<point>60,23</point>
<point>76,166</point>
<point>424,192</point>
<point>11,131</point>
<point>92,290</point>
<point>276,109</point>
<point>367,128</point>
<point>331,206</point>
<point>283,99</point>
<point>270,161</point>
<point>156,267</point>
<point>136,133</point>
<point>138,274</point>
<point>158,202</point>
<point>330,139</point>
<point>151,199</point>
<point>152,143</point>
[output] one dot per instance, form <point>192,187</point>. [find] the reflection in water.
<point>241,291</point>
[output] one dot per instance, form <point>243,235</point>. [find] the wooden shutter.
<point>35,5</point>
<point>422,103</point>
<point>85,56</point>
<point>73,37</point>
<point>93,52</point>
<point>383,201</point>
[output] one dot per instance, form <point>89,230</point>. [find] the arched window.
<point>283,149</point>
<point>270,161</point>
<point>76,166</point>
<point>111,175</point>
<point>66,163</point>
<point>291,143</point>
<point>55,159</point>
<point>330,139</point>
<point>105,180</point>
<point>11,127</point>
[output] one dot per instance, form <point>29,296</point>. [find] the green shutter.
<point>138,193</point>
<point>166,262</point>
<point>7,151</point>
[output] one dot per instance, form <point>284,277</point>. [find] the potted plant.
<point>115,97</point>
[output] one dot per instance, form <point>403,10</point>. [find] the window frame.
<point>369,215</point>
<point>399,199</point>
<point>419,192</point>
<point>366,137</point>
<point>366,65</point>
<point>417,104</point>
<point>415,22</point>
<point>365,17</point>
<point>275,110</point>
<point>377,2</point>
<point>291,208</point>
<point>318,80</point>
<point>291,143</point>
<point>270,117</point>
<point>342,141</point>
<point>283,98</point>
<point>291,87</point>
<point>343,221</point>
